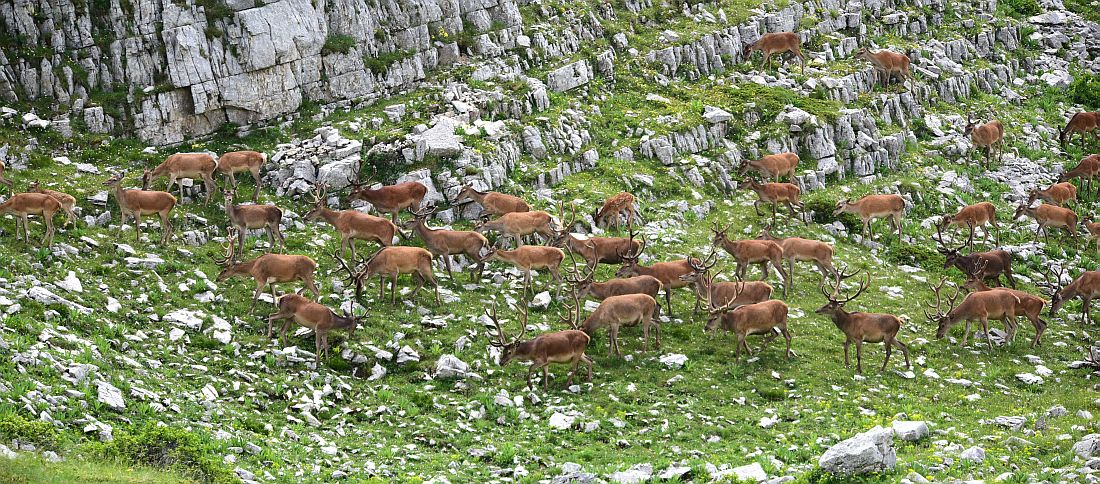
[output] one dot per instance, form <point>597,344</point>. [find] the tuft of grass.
<point>341,43</point>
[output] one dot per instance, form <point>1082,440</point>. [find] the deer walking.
<point>777,43</point>
<point>196,166</point>
<point>23,205</point>
<point>235,162</point>
<point>566,346</point>
<point>859,327</point>
<point>135,203</point>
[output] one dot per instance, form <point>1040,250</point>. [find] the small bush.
<point>1021,8</point>
<point>41,434</point>
<point>1085,90</point>
<point>338,43</point>
<point>168,448</point>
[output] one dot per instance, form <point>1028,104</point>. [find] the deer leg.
<point>137,226</point>
<point>889,348</point>
<point>271,238</point>
<point>859,356</point>
<point>48,239</point>
<point>317,346</point>
<point>764,270</point>
<point>985,328</point>
<point>756,206</point>
<point>1085,310</point>
<point>668,300</point>
<point>255,181</point>
<point>282,332</point>
<point>275,316</point>
<point>657,332</point>
<point>381,287</point>
<point>209,186</point>
<point>393,289</point>
<point>775,208</point>
<point>588,361</point>
<point>966,333</point>
<point>435,285</point>
<point>545,377</point>
<point>241,240</point>
<point>645,335</point>
<point>847,362</point>
<point>1040,326</point>
<point>447,264</point>
<point>256,296</point>
<point>557,280</point>
<point>904,351</point>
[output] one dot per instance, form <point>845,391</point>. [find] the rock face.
<point>869,451</point>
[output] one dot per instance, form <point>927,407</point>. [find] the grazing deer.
<point>797,249</point>
<point>1086,286</point>
<point>352,224</point>
<point>3,180</point>
<point>444,243</point>
<point>990,265</point>
<point>777,43</point>
<point>68,202</point>
<point>1082,122</point>
<point>267,270</point>
<point>990,136</point>
<point>741,292</point>
<point>772,167</point>
<point>586,287</point>
<point>135,203</point>
<point>764,318</point>
<point>976,306</point>
<point>492,203</point>
<point>314,316</point>
<point>1030,307</point>
<point>982,214</point>
<point>393,261</point>
<point>251,217</point>
<point>887,64</point>
<point>773,193</point>
<point>617,311</point>
<point>1086,170</point>
<point>594,250</point>
<point>747,252</point>
<point>872,207</point>
<point>667,272</point>
<point>859,327</point>
<point>1049,216</point>
<point>235,162</point>
<point>566,346</point>
<point>614,208</point>
<point>1057,194</point>
<point>518,224</point>
<point>1093,228</point>
<point>390,199</point>
<point>23,205</point>
<point>184,165</point>
<point>530,257</point>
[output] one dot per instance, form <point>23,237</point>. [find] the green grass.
<point>28,469</point>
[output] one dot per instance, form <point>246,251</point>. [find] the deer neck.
<point>524,351</point>
<point>328,215</point>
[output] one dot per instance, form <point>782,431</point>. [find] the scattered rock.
<point>870,451</point>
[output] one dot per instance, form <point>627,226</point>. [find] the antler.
<point>425,212</point>
<point>704,264</point>
<point>937,308</point>
<point>353,275</point>
<point>319,192</point>
<point>230,236</point>
<point>492,315</point>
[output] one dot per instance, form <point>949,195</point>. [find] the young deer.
<point>235,162</point>
<point>518,224</point>
<point>530,257</point>
<point>614,208</point>
<point>859,327</point>
<point>23,205</point>
<point>267,270</point>
<point>314,316</point>
<point>566,346</point>
<point>3,180</point>
<point>1030,307</point>
<point>990,265</point>
<point>872,207</point>
<point>68,202</point>
<point>617,311</point>
<point>749,319</point>
<point>741,292</point>
<point>887,64</point>
<point>445,243</point>
<point>1049,216</point>
<point>990,136</point>
<point>391,199</point>
<point>393,261</point>
<point>976,306</point>
<point>1058,194</point>
<point>1083,122</point>
<point>747,252</point>
<point>135,203</point>
<point>1093,228</point>
<point>667,272</point>
<point>1086,170</point>
<point>492,203</point>
<point>772,167</point>
<point>982,214</point>
<point>777,43</point>
<point>352,224</point>
<point>250,217</point>
<point>797,249</point>
<point>773,193</point>
<point>184,165</point>
<point>594,250</point>
<point>1086,287</point>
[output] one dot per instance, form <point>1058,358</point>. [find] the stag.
<point>887,64</point>
<point>1030,307</point>
<point>530,257</point>
<point>314,316</point>
<point>519,224</point>
<point>724,292</point>
<point>859,327</point>
<point>617,311</point>
<point>976,306</point>
<point>667,272</point>
<point>990,265</point>
<point>393,261</point>
<point>391,199</point>
<point>566,346</point>
<point>445,243</point>
<point>352,224</point>
<point>594,250</point>
<point>777,43</point>
<point>267,270</point>
<point>764,318</point>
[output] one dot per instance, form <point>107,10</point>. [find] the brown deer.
<point>530,257</point>
<point>772,167</point>
<point>314,316</point>
<point>1030,307</point>
<point>859,327</point>
<point>235,162</point>
<point>3,180</point>
<point>390,199</point>
<point>990,136</point>
<point>1086,170</point>
<point>445,243</point>
<point>1083,122</point>
<point>184,165</point>
<point>1049,216</point>
<point>764,318</point>
<point>745,252</point>
<point>1086,286</point>
<point>492,203</point>
<point>1057,194</point>
<point>796,249</point>
<point>519,224</point>
<point>251,217</point>
<point>23,205</point>
<point>777,43</point>
<point>872,207</point>
<point>887,64</point>
<point>615,208</point>
<point>594,250</point>
<point>267,270</point>
<point>393,261</point>
<point>352,224</point>
<point>990,265</point>
<point>976,306</point>
<point>982,214</point>
<point>617,311</point>
<point>566,346</point>
<point>68,202</point>
<point>1093,228</point>
<point>135,203</point>
<point>667,272</point>
<point>586,287</point>
<point>741,292</point>
<point>773,193</point>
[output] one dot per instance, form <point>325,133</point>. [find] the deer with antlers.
<point>251,217</point>
<point>773,43</point>
<point>989,136</point>
<point>68,202</point>
<point>667,272</point>
<point>135,203</point>
<point>615,312</point>
<point>566,346</point>
<point>1030,306</point>
<point>773,194</point>
<point>1083,122</point>
<point>519,224</point>
<point>887,64</point>
<point>772,167</point>
<point>196,166</point>
<point>1086,286</point>
<point>976,306</point>
<point>1058,194</point>
<point>741,292</point>
<point>268,270</point>
<point>1086,170</point>
<point>615,209</point>
<point>391,199</point>
<point>392,261</point>
<point>492,203</point>
<point>23,205</point>
<point>235,162</point>
<point>351,224</point>
<point>317,317</point>
<point>796,249</point>
<point>989,265</point>
<point>445,243</point>
<point>982,214</point>
<point>745,252</point>
<point>873,207</point>
<point>762,318</point>
<point>859,327</point>
<point>1049,216</point>
<point>530,257</point>
<point>594,250</point>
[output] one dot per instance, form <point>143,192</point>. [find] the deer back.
<point>648,285</point>
<point>625,310</point>
<point>398,260</point>
<point>807,249</point>
<point>754,251</point>
<point>282,267</point>
<point>187,165</point>
<point>31,203</point>
<point>235,161</point>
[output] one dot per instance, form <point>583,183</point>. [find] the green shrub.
<point>338,43</point>
<point>1021,8</point>
<point>1085,90</point>
<point>167,448</point>
<point>41,434</point>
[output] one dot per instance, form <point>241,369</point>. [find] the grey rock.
<point>449,366</point>
<point>569,76</point>
<point>910,430</point>
<point>870,451</point>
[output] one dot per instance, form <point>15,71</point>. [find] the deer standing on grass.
<point>445,243</point>
<point>492,203</point>
<point>566,346</point>
<point>1083,122</point>
<point>1086,170</point>
<point>777,43</point>
<point>351,224</point>
<point>530,257</point>
<point>393,261</point>
<point>774,193</point>
<point>859,327</point>
<point>594,250</point>
<point>1030,307</point>
<point>741,292</point>
<point>135,203</point>
<point>519,224</point>
<point>1093,229</point>
<point>872,207</point>
<point>3,180</point>
<point>667,272</point>
<point>1049,216</point>
<point>745,252</point>
<point>765,318</point>
<point>618,311</point>
<point>390,199</point>
<point>268,270</point>
<point>317,317</point>
<point>585,286</point>
<point>1058,194</point>
<point>982,214</point>
<point>615,208</point>
<point>1086,286</point>
<point>989,265</point>
<point>68,202</point>
<point>976,306</point>
<point>23,205</point>
<point>251,217</point>
<point>990,136</point>
<point>235,162</point>
<point>887,64</point>
<point>196,166</point>
<point>772,167</point>
<point>797,249</point>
